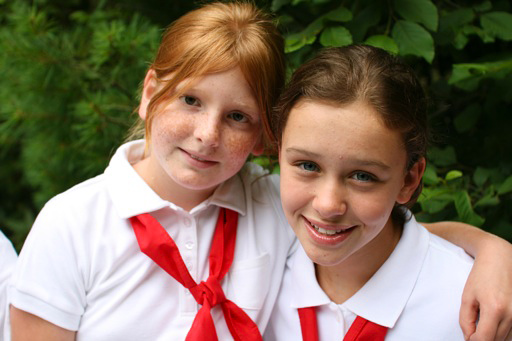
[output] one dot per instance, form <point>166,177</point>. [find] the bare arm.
<point>25,326</point>
<point>488,292</point>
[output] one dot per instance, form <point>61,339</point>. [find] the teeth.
<point>197,158</point>
<point>324,231</point>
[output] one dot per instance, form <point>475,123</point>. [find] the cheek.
<point>294,194</point>
<point>375,209</point>
<point>167,129</point>
<point>239,146</point>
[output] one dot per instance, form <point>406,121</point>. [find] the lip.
<point>327,240</point>
<point>197,160</point>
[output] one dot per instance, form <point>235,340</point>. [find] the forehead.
<point>230,82</point>
<point>354,131</point>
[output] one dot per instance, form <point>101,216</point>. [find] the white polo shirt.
<point>416,293</point>
<point>8,258</point>
<point>81,267</point>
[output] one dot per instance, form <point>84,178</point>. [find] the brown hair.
<point>344,75</point>
<point>216,38</point>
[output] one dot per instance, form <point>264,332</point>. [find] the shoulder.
<point>436,297</point>
<point>84,196</point>
<point>8,258</point>
<point>448,252</point>
<point>261,183</point>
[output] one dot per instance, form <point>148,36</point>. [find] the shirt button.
<point>189,266</point>
<point>189,245</point>
<point>187,222</point>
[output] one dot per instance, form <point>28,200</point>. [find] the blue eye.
<point>308,166</point>
<point>238,117</point>
<point>189,100</point>
<point>363,177</point>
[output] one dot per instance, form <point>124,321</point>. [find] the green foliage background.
<point>71,71</point>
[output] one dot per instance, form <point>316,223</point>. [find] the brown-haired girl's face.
<point>342,170</point>
<point>203,137</point>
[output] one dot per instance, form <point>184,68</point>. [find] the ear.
<point>150,86</point>
<point>411,181</point>
<point>258,147</point>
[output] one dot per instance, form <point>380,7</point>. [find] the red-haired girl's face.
<point>202,138</point>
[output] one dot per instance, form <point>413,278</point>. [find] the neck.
<point>169,190</point>
<point>343,280</point>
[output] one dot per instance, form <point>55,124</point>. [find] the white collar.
<point>383,298</point>
<point>131,195</point>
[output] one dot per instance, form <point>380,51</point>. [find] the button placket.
<point>190,254</point>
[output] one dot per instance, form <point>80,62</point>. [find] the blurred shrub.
<point>71,72</point>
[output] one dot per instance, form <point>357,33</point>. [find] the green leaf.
<point>336,36</point>
<point>450,27</point>
<point>276,169</point>
<point>433,200</point>
<point>453,174</point>
<point>460,40</point>
<point>506,186</point>
<point>307,36</point>
<point>277,4</point>
<point>262,161</point>
<point>430,176</point>
<point>340,14</point>
<point>363,20</point>
<point>435,205</point>
<point>474,30</point>
<point>480,176</point>
<point>465,210</point>
<point>384,42</point>
<point>468,118</point>
<point>456,19</point>
<point>488,200</point>
<point>442,157</point>
<point>498,24</point>
<point>420,11</point>
<point>483,7</point>
<point>469,71</point>
<point>295,41</point>
<point>413,39</point>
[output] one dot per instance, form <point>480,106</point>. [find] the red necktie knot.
<point>210,291</point>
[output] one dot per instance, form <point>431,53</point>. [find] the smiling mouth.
<point>195,157</point>
<point>329,232</point>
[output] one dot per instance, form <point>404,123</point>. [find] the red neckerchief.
<point>156,243</point>
<point>360,330</point>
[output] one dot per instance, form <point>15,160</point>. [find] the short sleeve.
<point>48,279</point>
<point>8,258</point>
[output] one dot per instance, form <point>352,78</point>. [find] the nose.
<point>208,129</point>
<point>330,200</point>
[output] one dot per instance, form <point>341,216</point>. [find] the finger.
<point>509,335</point>
<point>468,316</point>
<point>504,332</point>
<point>487,326</point>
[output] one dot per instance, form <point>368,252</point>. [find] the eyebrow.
<point>302,151</point>
<point>356,161</point>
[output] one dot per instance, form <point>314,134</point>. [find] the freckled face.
<point>204,137</point>
<point>342,170</point>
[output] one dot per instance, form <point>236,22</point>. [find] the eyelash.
<point>185,99</point>
<point>302,165</point>
<point>244,117</point>
<point>371,178</point>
